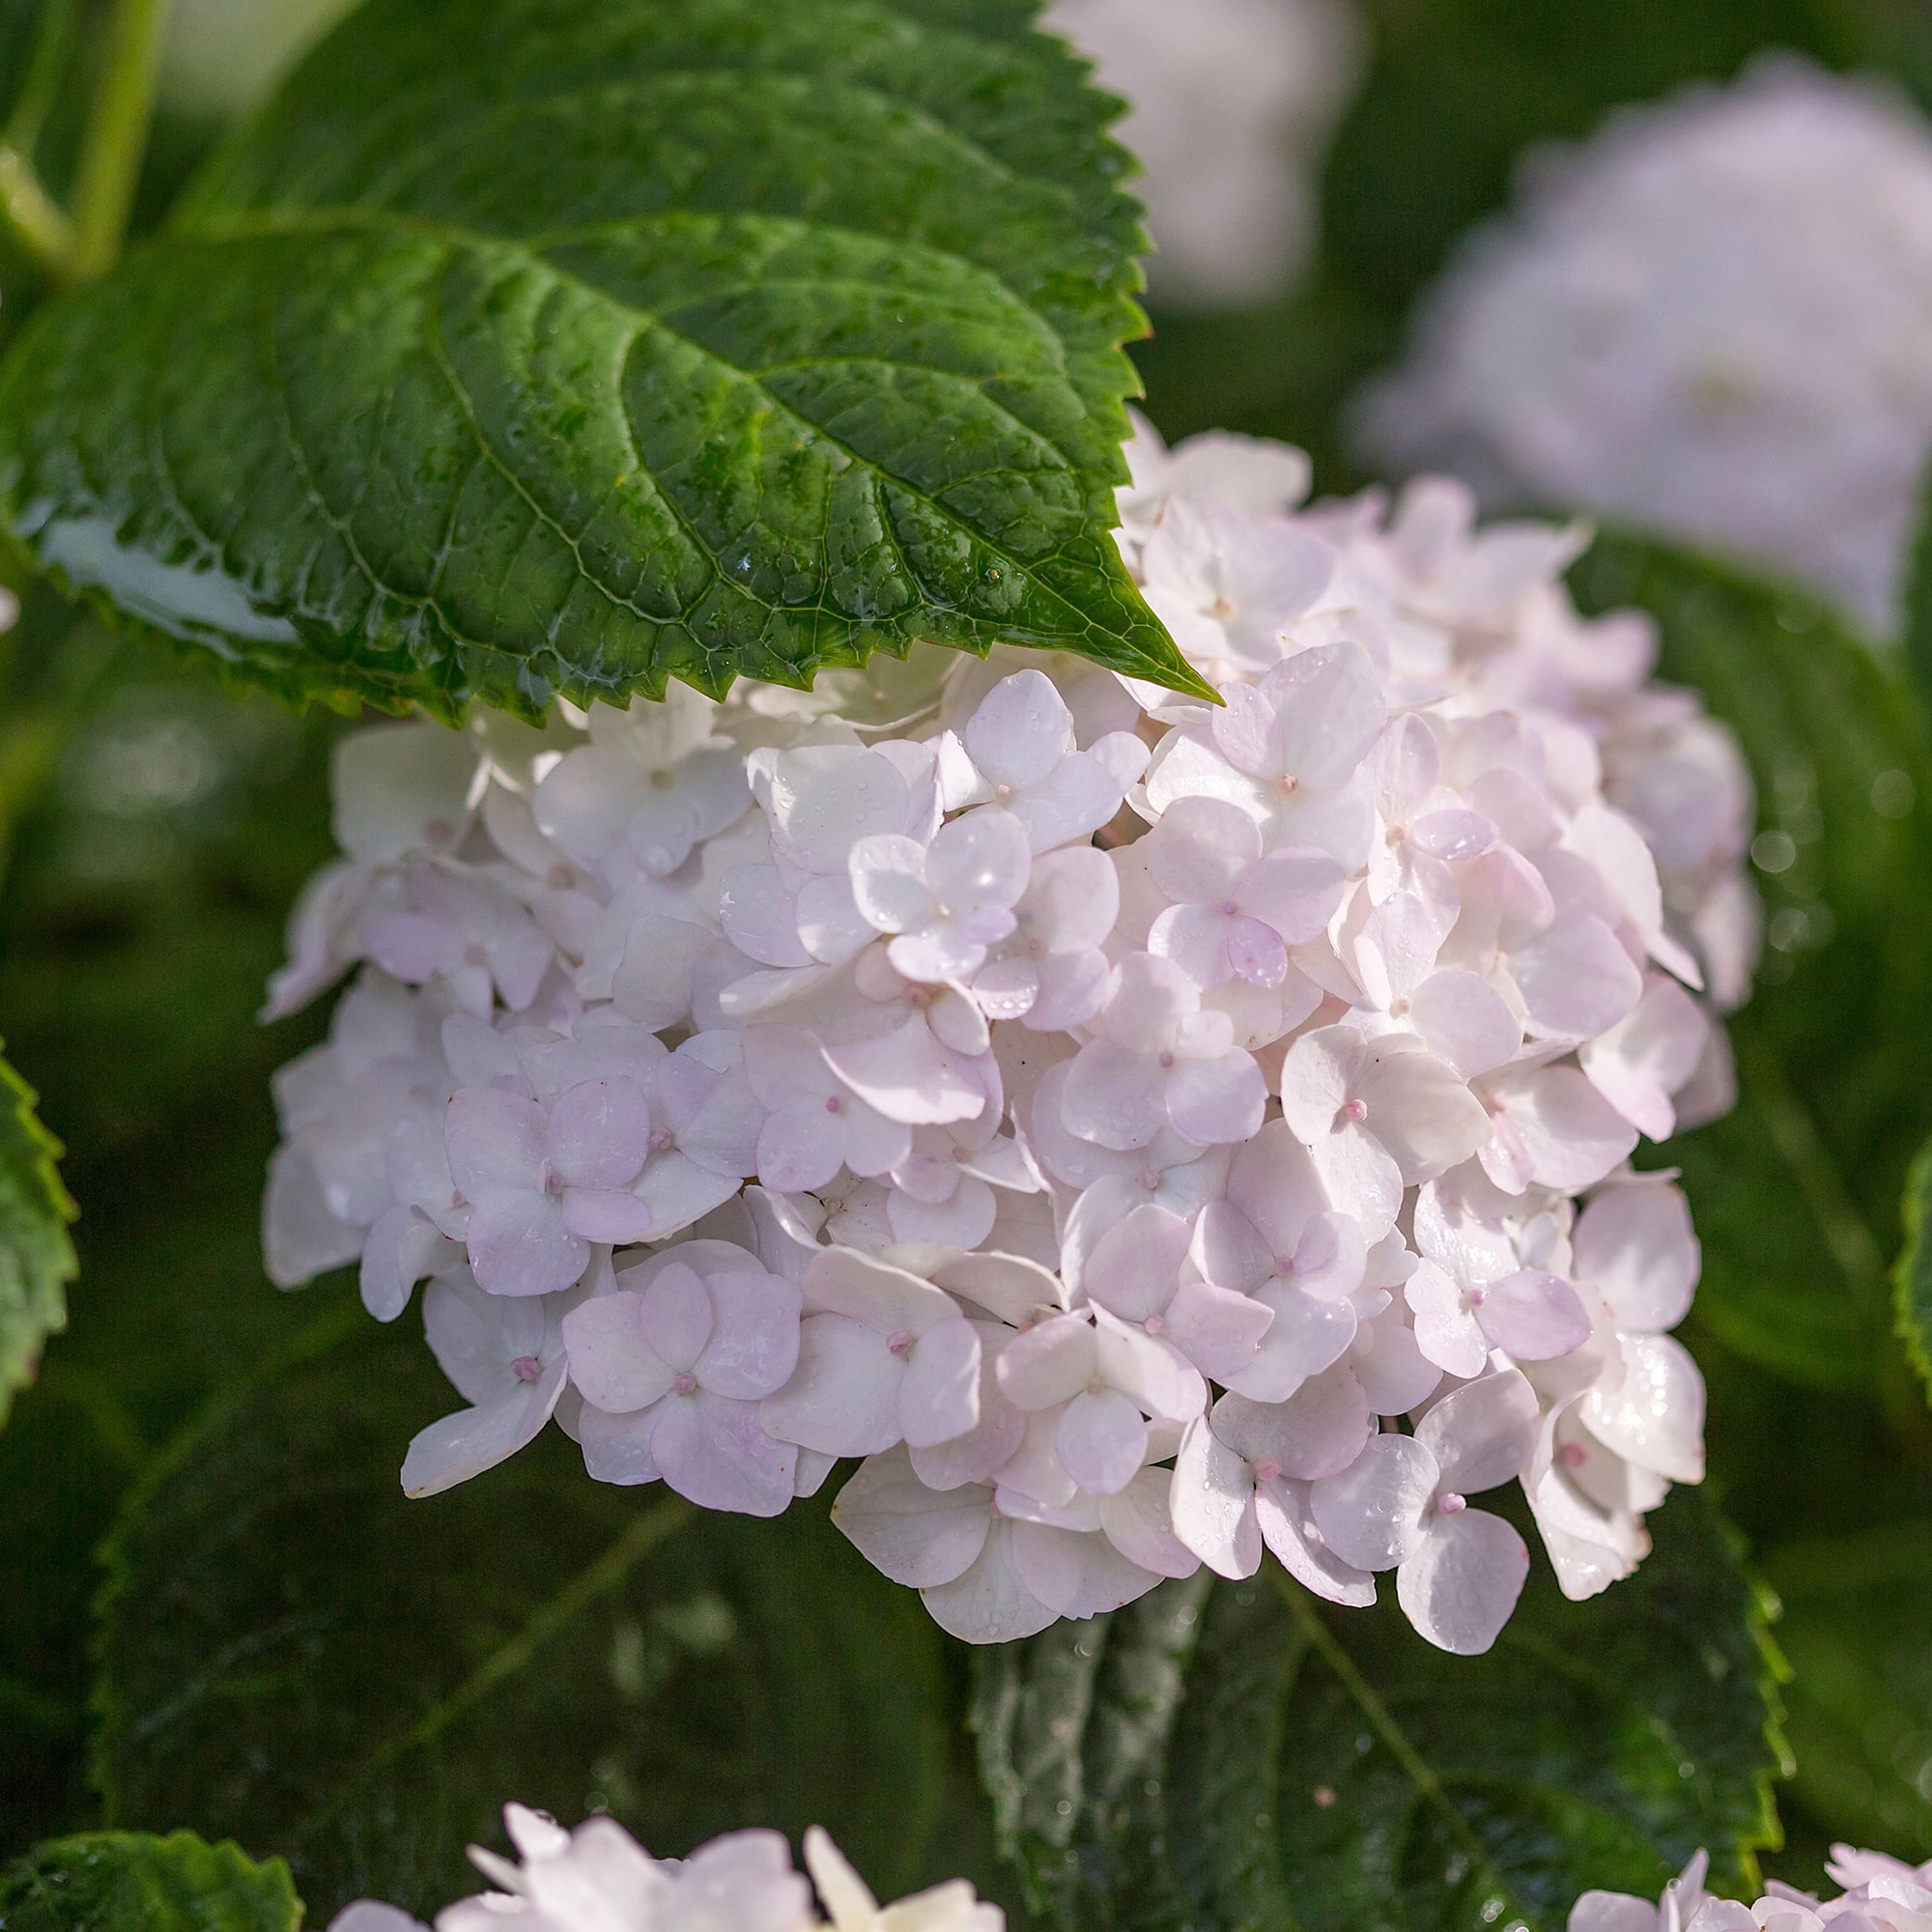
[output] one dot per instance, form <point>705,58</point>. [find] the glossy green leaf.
<point>1796,1191</point>
<point>535,346</point>
<point>130,1882</point>
<point>1858,1629</point>
<point>1227,1755</point>
<point>1913,1276</point>
<point>296,1656</point>
<point>35,1256</point>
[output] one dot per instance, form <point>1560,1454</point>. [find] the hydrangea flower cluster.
<point>1881,1895</point>
<point>1232,106</point>
<point>1642,335</point>
<point>599,1879</point>
<point>1148,1134</point>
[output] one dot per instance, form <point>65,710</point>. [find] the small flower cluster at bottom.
<point>599,1879</point>
<point>1882,1894</point>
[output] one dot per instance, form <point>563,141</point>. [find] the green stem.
<point>29,216</point>
<point>117,133</point>
<point>35,100</point>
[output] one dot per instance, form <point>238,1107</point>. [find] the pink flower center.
<point>1477,1296</point>
<point>1288,784</point>
<point>1166,1061</point>
<point>899,1344</point>
<point>1449,1503</point>
<point>685,1383</point>
<point>1149,1180</point>
<point>1229,908</point>
<point>1004,793</point>
<point>474,955</point>
<point>1399,1008</point>
<point>1154,1323</point>
<point>1356,1110</point>
<point>1397,833</point>
<point>553,1182</point>
<point>1266,1469</point>
<point>661,1138</point>
<point>1573,1455</point>
<point>526,1368</point>
<point>835,1105</point>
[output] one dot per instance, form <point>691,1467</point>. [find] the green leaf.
<point>1797,1191</point>
<point>1858,1629</point>
<point>35,1256</point>
<point>296,1656</point>
<point>791,334</point>
<point>130,1882</point>
<point>1234,1756</point>
<point>1914,1273</point>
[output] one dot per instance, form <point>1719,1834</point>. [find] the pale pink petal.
<point>713,1452</point>
<point>1371,1514</point>
<point>1214,1102</point>
<point>1213,1504</point>
<point>1218,1329</point>
<point>939,1396</point>
<point>1295,891</point>
<point>674,1311</point>
<point>676,1191</point>
<point>760,917</point>
<point>1360,1176</point>
<point>617,1448</point>
<point>888,873</point>
<point>1533,1316</point>
<point>474,1440</point>
<point>916,1535</point>
<point>611,1361</point>
<point>1421,1111</point>
<point>1482,1436</point>
<point>1147,1370</point>
<point>1021,730</point>
<point>1655,1416</point>
<point>844,1396</point>
<point>1394,1374</point>
<point>1133,1266</point>
<point>1077,1573</point>
<point>1112,1098</point>
<point>1139,1522</point>
<point>1101,1441</point>
<point>1316,1079</point>
<point>1306,1335</point>
<point>518,1244</point>
<point>1571,1135</point>
<point>1466,1021</point>
<point>990,1602</point>
<point>1645,1059</point>
<point>611,1216</point>
<point>753,1344</point>
<point>1319,1431</point>
<point>1072,801</point>
<point>1636,1245</point>
<point>796,1153</point>
<point>979,860</point>
<point>1462,1581</point>
<point>495,1140</point>
<point>1445,1332</point>
<point>1576,979</point>
<point>888,1299</point>
<point>909,1077</point>
<point>1287,1526</point>
<point>1050,1363</point>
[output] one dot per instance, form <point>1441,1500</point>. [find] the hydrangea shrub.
<point>1148,1134</point>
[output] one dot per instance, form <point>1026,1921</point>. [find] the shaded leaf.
<point>1796,1192</point>
<point>1233,1755</point>
<point>35,1256</point>
<point>1913,1275</point>
<point>295,1654</point>
<point>792,334</point>
<point>1858,1629</point>
<point>130,1882</point>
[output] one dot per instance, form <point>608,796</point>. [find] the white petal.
<point>611,1363</point>
<point>939,1397</point>
<point>1482,1436</point>
<point>1636,1245</point>
<point>915,1535</point>
<point>1655,1416</point>
<point>1213,1504</point>
<point>1021,730</point>
<point>713,1451</point>
<point>1462,1581</point>
<point>1077,1573</point>
<point>1287,1526</point>
<point>1570,1134</point>
<point>1101,1441</point>
<point>990,1602</point>
<point>844,1396</point>
<point>474,1440</point>
<point>1533,1316</point>
<point>1576,979</point>
<point>1371,1514</point>
<point>1216,1103</point>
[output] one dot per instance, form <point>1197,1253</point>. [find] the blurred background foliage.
<point>155,827</point>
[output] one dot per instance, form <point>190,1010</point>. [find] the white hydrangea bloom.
<point>1148,1134</point>
<point>1232,106</point>
<point>599,1879</point>
<point>1882,1894</point>
<point>1714,318</point>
